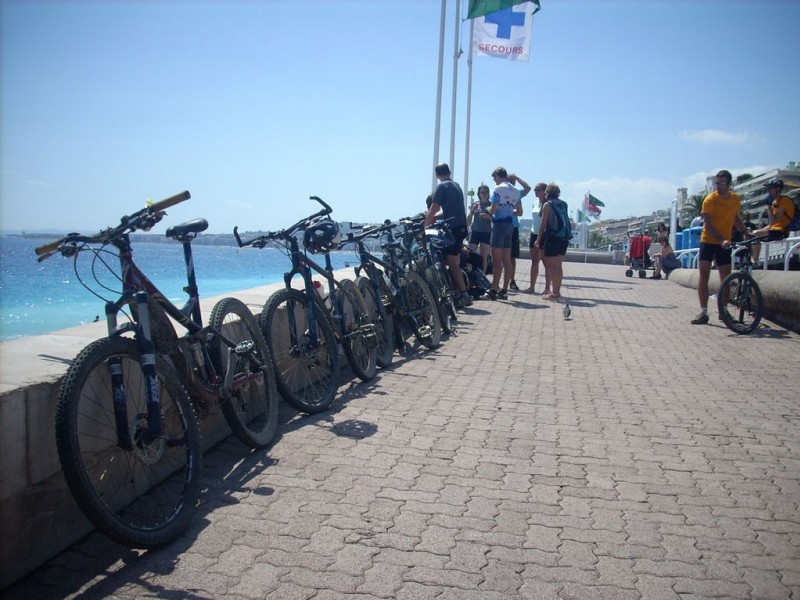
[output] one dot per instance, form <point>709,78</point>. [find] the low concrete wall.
<point>781,291</point>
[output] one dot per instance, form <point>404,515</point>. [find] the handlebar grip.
<point>48,248</point>
<point>172,201</point>
<point>236,235</point>
<point>328,209</point>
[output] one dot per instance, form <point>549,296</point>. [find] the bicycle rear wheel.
<point>420,307</point>
<point>306,365</point>
<point>252,409</point>
<point>384,326</point>
<point>142,497</point>
<point>744,307</point>
<point>440,289</point>
<point>360,341</point>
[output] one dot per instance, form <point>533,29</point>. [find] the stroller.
<point>477,283</point>
<point>638,257</point>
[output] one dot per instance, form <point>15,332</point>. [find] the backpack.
<point>563,228</point>
<point>794,225</point>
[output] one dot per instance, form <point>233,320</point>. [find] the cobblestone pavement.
<point>621,454</point>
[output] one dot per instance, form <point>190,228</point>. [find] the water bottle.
<point>322,292</point>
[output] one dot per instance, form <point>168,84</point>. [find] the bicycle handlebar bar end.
<point>171,201</point>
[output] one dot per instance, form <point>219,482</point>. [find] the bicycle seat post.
<point>191,280</point>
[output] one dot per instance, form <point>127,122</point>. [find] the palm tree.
<point>692,208</point>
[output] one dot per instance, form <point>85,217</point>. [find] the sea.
<point>42,297</point>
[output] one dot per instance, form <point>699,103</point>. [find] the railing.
<point>781,249</point>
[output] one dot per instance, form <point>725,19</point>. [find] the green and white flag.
<point>479,8</point>
<point>505,33</point>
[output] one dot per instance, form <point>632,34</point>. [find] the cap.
<point>774,182</point>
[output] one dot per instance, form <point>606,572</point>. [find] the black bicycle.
<point>740,302</point>
<point>126,430</point>
<point>403,294</point>
<point>303,330</point>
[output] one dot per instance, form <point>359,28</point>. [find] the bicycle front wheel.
<point>360,341</point>
<point>306,358</point>
<point>252,408</point>
<point>740,303</point>
<point>142,496</point>
<point>420,306</point>
<point>444,301</point>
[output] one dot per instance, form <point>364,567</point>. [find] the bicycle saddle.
<point>193,226</point>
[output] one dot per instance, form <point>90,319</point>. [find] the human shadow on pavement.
<point>596,279</point>
<point>592,303</point>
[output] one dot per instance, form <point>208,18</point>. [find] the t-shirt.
<point>515,218</point>
<point>536,217</point>
<point>449,196</point>
<point>787,205</point>
<point>722,214</point>
<point>479,223</point>
<point>505,196</point>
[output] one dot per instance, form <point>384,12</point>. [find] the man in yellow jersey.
<point>720,214</point>
<point>781,212</point>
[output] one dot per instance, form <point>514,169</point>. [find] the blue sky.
<point>254,106</point>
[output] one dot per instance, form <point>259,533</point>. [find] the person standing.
<point>480,221</point>
<point>536,253</point>
<point>720,214</point>
<point>514,180</point>
<point>449,198</point>
<point>554,236</point>
<point>505,199</point>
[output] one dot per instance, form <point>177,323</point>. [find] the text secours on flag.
<point>505,33</point>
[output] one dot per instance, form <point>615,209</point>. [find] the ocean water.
<point>38,298</point>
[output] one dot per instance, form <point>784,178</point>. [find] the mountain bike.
<point>304,332</point>
<point>740,302</point>
<point>426,248</point>
<point>126,429</point>
<point>394,295</point>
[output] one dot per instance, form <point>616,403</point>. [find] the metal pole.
<point>469,112</point>
<point>437,127</point>
<point>456,55</point>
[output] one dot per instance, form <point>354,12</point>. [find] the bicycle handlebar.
<point>142,219</point>
<point>271,236</point>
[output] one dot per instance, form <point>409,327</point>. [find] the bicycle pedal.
<point>425,331</point>
<point>244,347</point>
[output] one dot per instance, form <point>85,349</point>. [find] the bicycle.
<point>740,302</point>
<point>126,429</point>
<point>302,331</point>
<point>411,302</point>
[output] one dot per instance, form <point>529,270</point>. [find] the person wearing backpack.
<point>554,236</point>
<point>782,214</point>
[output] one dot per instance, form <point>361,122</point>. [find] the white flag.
<point>505,33</point>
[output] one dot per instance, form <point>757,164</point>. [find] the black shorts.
<point>708,252</point>
<point>515,243</point>
<point>532,241</point>
<point>459,234</point>
<point>554,246</point>
<point>480,237</point>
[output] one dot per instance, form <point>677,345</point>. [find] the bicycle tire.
<point>444,301</point>
<point>252,409</point>
<point>144,497</point>
<point>359,341</point>
<point>306,377</point>
<point>384,326</point>
<point>744,298</point>
<point>420,307</point>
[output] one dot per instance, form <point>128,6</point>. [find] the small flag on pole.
<point>592,205</point>
<point>505,33</point>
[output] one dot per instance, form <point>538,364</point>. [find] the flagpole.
<point>469,112</point>
<point>437,127</point>
<point>456,56</point>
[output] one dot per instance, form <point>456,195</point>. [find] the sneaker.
<point>503,294</point>
<point>492,294</point>
<point>656,277</point>
<point>463,300</point>
<point>513,285</point>
<point>700,319</point>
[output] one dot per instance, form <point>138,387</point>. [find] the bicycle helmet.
<point>440,238</point>
<point>322,235</point>
<point>774,182</point>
